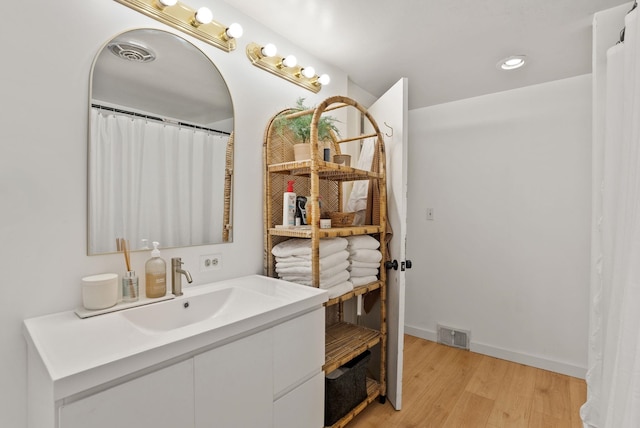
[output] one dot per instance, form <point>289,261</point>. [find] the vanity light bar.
<point>198,23</point>
<point>285,68</point>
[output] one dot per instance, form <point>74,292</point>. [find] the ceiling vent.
<point>131,51</point>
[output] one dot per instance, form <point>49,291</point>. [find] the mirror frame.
<point>227,236</point>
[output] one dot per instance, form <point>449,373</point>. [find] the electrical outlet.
<point>210,262</point>
<point>429,213</point>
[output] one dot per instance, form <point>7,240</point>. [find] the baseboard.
<point>504,354</point>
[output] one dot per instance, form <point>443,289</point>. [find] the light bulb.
<point>308,72</point>
<point>203,16</point>
<point>269,50</point>
<point>166,3</point>
<point>324,79</point>
<point>234,31</point>
<point>290,61</point>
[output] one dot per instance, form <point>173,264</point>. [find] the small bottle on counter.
<point>130,287</point>
<point>155,274</point>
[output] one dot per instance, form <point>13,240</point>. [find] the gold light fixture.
<point>198,23</point>
<point>287,67</point>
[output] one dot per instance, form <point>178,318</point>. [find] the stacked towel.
<point>364,259</point>
<point>293,263</point>
<point>302,247</point>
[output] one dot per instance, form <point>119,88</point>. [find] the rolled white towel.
<point>356,263</point>
<point>339,290</point>
<point>356,271</point>
<point>306,270</point>
<point>325,262</point>
<point>366,255</point>
<point>301,247</point>
<point>362,280</point>
<point>324,283</point>
<point>363,242</point>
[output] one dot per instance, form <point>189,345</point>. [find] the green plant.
<point>301,125</point>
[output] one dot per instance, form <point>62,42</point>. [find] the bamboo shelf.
<point>321,181</point>
<point>357,291</point>
<point>345,341</point>
<point>306,231</point>
<point>326,171</point>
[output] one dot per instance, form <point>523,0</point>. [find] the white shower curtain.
<point>613,377</point>
<point>148,180</point>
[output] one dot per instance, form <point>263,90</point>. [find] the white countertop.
<point>79,354</point>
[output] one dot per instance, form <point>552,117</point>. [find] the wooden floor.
<point>448,387</point>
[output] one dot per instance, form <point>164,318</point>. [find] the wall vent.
<point>453,337</point>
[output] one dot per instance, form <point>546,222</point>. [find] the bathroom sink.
<point>224,305</point>
<point>81,353</point>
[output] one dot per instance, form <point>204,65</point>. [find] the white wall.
<point>48,48</point>
<point>507,255</point>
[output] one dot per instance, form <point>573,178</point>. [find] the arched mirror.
<point>160,145</point>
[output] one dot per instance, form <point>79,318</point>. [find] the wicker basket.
<point>342,159</point>
<point>340,219</point>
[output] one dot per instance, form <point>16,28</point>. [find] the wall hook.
<point>385,124</point>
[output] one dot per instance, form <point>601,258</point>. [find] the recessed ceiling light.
<point>512,62</point>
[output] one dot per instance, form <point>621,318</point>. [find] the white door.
<point>391,114</point>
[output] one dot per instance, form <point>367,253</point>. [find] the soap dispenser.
<point>156,274</point>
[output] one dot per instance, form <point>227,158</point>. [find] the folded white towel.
<point>362,280</point>
<point>324,283</point>
<point>357,263</point>
<point>306,270</point>
<point>363,241</point>
<point>356,271</point>
<point>366,255</point>
<point>340,289</point>
<point>301,246</point>
<point>325,262</point>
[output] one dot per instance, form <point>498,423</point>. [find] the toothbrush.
<point>125,249</point>
<point>123,245</point>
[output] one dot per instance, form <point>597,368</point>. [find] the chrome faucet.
<point>176,276</point>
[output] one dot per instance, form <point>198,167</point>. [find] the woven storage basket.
<point>340,219</point>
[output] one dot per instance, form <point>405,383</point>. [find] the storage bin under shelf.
<point>373,392</point>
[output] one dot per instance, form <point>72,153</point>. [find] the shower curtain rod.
<point>158,119</point>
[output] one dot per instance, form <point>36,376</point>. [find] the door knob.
<point>409,264</point>
<point>391,265</point>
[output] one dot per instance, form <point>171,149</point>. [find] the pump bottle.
<point>156,274</point>
<point>289,206</point>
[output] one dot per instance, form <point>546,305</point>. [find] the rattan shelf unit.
<point>322,181</point>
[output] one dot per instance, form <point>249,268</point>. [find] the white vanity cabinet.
<point>261,371</point>
<point>234,384</point>
<point>270,379</point>
<point>162,399</point>
<point>298,386</point>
